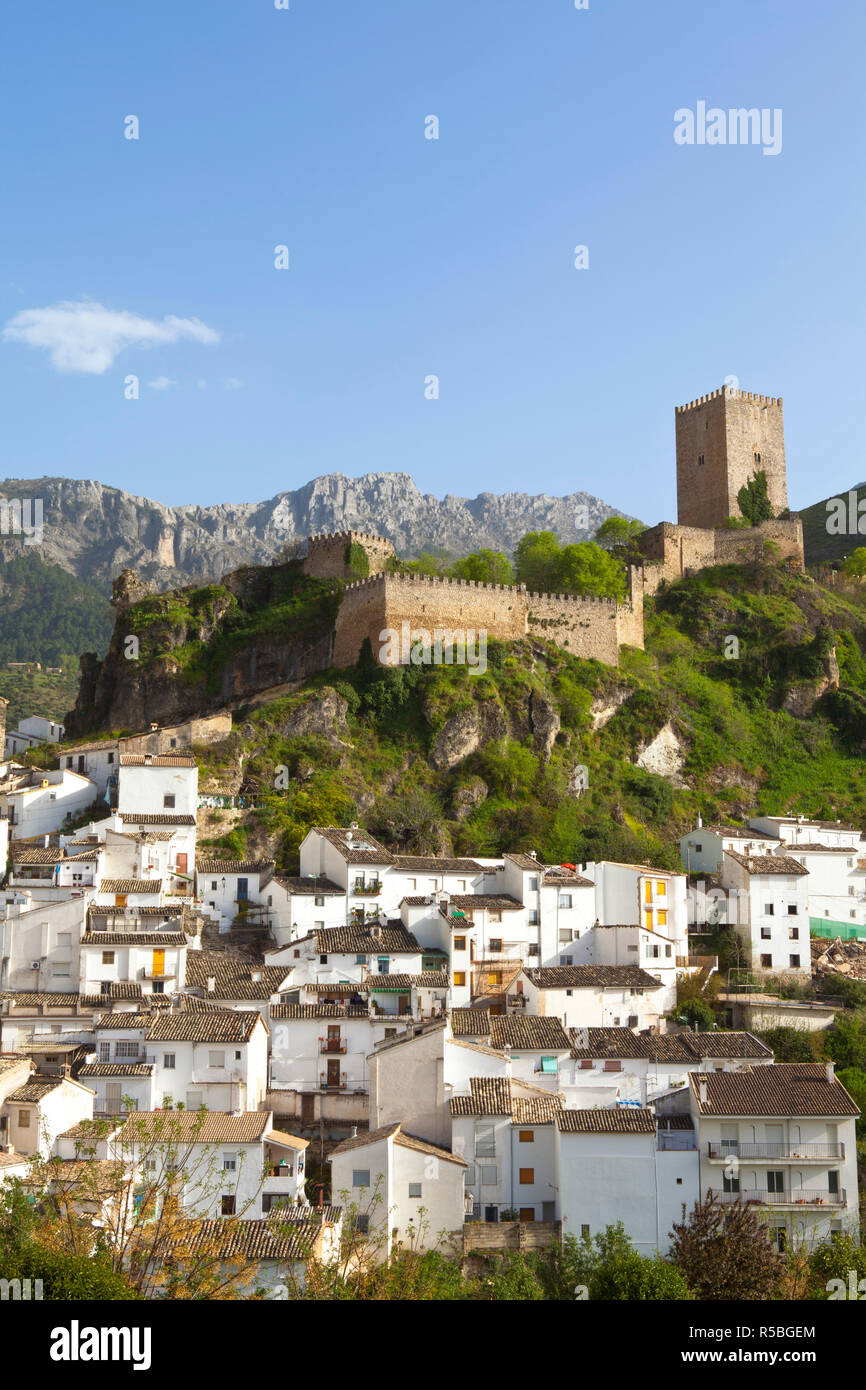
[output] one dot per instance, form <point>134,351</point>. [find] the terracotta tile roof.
<point>287,1141</point>
<point>535,1110</point>
<point>622,1120</point>
<point>591,977</point>
<point>93,1129</point>
<point>468,1023</point>
<point>821,849</point>
<point>233,866</point>
<point>429,863</point>
<point>399,1135</point>
<point>288,1011</point>
<point>734,832</point>
<point>138,1022</point>
<point>223,1025</point>
<point>137,886</point>
<point>118,1069</point>
<point>690,1048</point>
<point>766,864</point>
<point>272,1238</point>
<point>33,1091</point>
<point>14,1160</point>
<point>233,975</point>
<point>195,1126</point>
<point>156,818</point>
<point>346,841</point>
<point>315,887</point>
<point>361,941</point>
<point>108,910</point>
<point>117,989</point>
<point>528,1032</point>
<point>108,939</point>
<point>559,878</point>
<point>477,1047</point>
<point>498,1095</point>
<point>157,760</point>
<point>786,1088</point>
<point>675,1122</point>
<point>525,861</point>
<point>25,998</point>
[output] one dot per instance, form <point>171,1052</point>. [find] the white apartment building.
<point>31,732</point>
<point>37,802</point>
<point>610,1065</point>
<point>505,1129</point>
<point>42,1108</point>
<point>40,944</point>
<point>590,996</point>
<point>782,1137</point>
<point>769,902</point>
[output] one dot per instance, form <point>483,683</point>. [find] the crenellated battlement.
<point>345,537</point>
<point>732,395</point>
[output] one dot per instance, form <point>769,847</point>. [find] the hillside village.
<point>325,1031</point>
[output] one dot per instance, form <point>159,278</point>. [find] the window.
<point>414,1189</point>
<point>565,900</point>
<point>851,890</point>
<point>527,1176</point>
<point>471,1175</point>
<point>488,1175</point>
<point>699,849</point>
<point>612,1064</point>
<point>485,1139</point>
<point>648,920</point>
<point>107,957</point>
<point>662,916</point>
<point>533,916</point>
<point>323,959</point>
<point>460,977</point>
<point>833,1183</point>
<point>64,938</point>
<point>319,902</point>
<point>548,1064</point>
<point>159,986</point>
<point>460,943</point>
<point>213,885</point>
<point>230,1163</point>
<point>792,909</point>
<point>769,909</point>
<point>793,933</point>
<point>216,1059</point>
<point>168,1061</point>
<point>525,1136</point>
<point>586,1064</point>
<point>227,1206</point>
<point>105,1052</point>
<point>126,1047</point>
<point>494,916</point>
<point>496,944</point>
<point>584,1233</point>
<point>362,1223</point>
<point>757,457</point>
<point>383,965</point>
<point>766,962</point>
<point>533,884</point>
<point>168,801</point>
<point>700,460</point>
<point>730,1184</point>
<point>795,962</point>
<point>390,1032</point>
<point>765,933</point>
<point>360,1177</point>
<point>23,1119</point>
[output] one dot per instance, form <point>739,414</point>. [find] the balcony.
<point>366,890</point>
<point>332,1045</point>
<point>788,1197</point>
<point>805,1153</point>
<point>331,1084</point>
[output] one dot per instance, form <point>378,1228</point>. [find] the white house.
<point>769,902</point>
<point>236,890</point>
<point>590,996</point>
<point>399,1190</point>
<point>37,802</point>
<point>203,1055</point>
<point>505,1129</point>
<point>31,732</point>
<point>153,784</point>
<point>42,1108</point>
<point>138,945</point>
<point>40,944</point>
<point>782,1138</point>
<point>609,1065</point>
<point>611,1166</point>
<point>701,849</point>
<point>537,1046</point>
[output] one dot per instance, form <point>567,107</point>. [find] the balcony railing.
<point>368,890</point>
<point>332,1044</point>
<point>329,1084</point>
<point>815,1152</point>
<point>788,1197</point>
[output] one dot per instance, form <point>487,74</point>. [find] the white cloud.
<point>87,337</point>
<point>162,383</point>
<point>233,383</point>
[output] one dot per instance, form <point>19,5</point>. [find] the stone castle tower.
<point>722,440</point>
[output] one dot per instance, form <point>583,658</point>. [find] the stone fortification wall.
<point>326,554</point>
<point>671,552</point>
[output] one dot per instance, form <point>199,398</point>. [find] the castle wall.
<point>361,614</point>
<point>582,625</point>
<point>717,439</point>
<point>672,551</point>
<point>326,554</point>
<point>456,603</point>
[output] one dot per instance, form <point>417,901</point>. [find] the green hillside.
<point>439,759</point>
<point>823,546</point>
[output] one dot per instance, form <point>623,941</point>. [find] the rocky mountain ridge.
<point>95,531</point>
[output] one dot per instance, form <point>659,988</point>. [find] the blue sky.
<point>411,257</point>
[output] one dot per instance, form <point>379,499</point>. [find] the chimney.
<point>700,822</point>
<point>702,1092</point>
<point>153,727</point>
<point>211,984</point>
<point>354,1131</point>
<point>257,977</point>
<point>830,1070</point>
<point>533,854</point>
<point>148,759</point>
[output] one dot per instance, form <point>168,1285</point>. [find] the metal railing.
<point>332,1044</point>
<point>804,1151</point>
<point>787,1197</point>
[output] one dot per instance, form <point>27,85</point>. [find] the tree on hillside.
<point>723,1251</point>
<point>754,499</point>
<point>620,532</point>
<point>535,560</point>
<point>545,566</point>
<point>855,565</point>
<point>484,566</point>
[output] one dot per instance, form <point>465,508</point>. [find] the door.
<point>402,1003</point>
<point>527,1213</point>
<point>308,1108</point>
<point>159,962</point>
<point>120,900</point>
<point>773,1137</point>
<point>181,863</point>
<point>334,1073</point>
<point>333,1043</point>
<point>113,1094</point>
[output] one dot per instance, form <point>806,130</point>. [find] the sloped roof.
<point>401,1137</point>
<point>622,1120</point>
<point>529,1032</point>
<point>786,1088</point>
<point>591,977</point>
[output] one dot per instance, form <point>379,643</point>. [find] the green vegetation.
<point>753,499</point>
<point>46,614</point>
<point>541,563</point>
<point>38,693</point>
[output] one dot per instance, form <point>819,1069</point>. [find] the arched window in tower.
<point>757,458</point>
